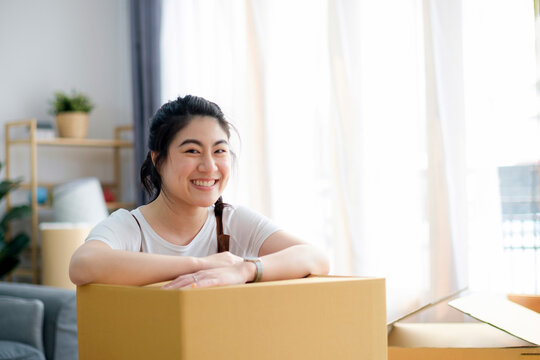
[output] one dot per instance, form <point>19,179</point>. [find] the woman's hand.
<point>236,274</point>
<point>222,259</point>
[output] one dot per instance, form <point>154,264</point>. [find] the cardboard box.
<point>508,331</point>
<point>529,301</point>
<point>312,318</point>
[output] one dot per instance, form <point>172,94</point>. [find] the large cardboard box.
<point>312,318</point>
<point>508,331</point>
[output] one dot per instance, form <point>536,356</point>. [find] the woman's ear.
<point>153,155</point>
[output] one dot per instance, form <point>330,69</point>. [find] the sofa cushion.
<point>17,351</point>
<point>21,320</point>
<point>60,320</point>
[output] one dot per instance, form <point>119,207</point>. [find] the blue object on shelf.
<point>41,195</point>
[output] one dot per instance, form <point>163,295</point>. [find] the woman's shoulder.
<point>119,230</point>
<point>248,228</point>
<point>243,214</point>
<point>234,210</point>
<point>123,214</point>
<point>119,218</point>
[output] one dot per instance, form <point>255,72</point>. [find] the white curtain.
<point>502,130</point>
<point>379,146</point>
<point>446,175</point>
<point>351,117</point>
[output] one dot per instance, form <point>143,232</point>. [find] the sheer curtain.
<point>502,129</point>
<point>446,176</point>
<point>351,126</point>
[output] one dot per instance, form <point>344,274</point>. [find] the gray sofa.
<point>37,322</point>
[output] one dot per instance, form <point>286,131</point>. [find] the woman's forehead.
<point>203,129</point>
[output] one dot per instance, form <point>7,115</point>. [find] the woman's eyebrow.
<point>222,141</point>
<point>197,142</point>
<point>191,141</point>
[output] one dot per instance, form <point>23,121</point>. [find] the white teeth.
<point>204,183</point>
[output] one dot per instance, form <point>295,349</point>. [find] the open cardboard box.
<point>507,331</point>
<point>312,318</point>
<point>529,301</point>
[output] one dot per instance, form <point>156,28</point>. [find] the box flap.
<point>451,335</point>
<point>529,301</point>
<point>390,324</point>
<point>503,314</point>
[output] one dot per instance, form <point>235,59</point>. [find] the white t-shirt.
<point>247,230</point>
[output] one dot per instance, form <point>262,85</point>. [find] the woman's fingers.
<point>207,282</point>
<point>182,281</point>
<point>214,277</point>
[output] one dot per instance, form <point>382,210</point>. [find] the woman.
<point>175,236</point>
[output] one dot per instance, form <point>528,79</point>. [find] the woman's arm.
<point>285,257</point>
<point>282,255</point>
<point>97,262</point>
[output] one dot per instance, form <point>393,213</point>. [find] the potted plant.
<point>10,249</point>
<point>71,113</point>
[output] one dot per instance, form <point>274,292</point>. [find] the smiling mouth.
<point>204,183</point>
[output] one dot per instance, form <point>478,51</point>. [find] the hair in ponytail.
<point>150,178</point>
<point>218,206</point>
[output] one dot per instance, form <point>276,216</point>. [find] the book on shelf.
<point>44,130</point>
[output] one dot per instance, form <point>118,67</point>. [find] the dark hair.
<point>165,124</point>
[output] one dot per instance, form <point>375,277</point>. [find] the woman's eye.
<point>192,151</point>
<point>221,151</point>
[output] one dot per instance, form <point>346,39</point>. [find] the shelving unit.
<point>33,142</point>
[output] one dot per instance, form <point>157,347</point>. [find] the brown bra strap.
<point>140,228</point>
<point>223,239</point>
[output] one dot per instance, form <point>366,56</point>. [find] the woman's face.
<point>198,165</point>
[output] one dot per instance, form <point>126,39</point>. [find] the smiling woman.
<point>186,233</point>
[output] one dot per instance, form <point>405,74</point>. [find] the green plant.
<point>63,102</point>
<point>10,249</point>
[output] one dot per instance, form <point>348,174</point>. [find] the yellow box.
<point>508,331</point>
<point>312,318</point>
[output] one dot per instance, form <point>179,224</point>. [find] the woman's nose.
<point>207,164</point>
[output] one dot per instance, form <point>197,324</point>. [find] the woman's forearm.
<point>100,264</point>
<point>293,262</point>
<point>96,262</point>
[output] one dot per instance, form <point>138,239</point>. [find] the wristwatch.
<point>258,267</point>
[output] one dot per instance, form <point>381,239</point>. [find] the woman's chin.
<point>207,202</point>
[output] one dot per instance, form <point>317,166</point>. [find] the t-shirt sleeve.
<point>120,231</point>
<point>248,230</point>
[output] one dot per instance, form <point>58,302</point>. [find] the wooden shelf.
<point>111,206</point>
<point>50,185</point>
<point>76,142</point>
<point>116,144</point>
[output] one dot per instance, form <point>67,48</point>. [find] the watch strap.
<point>258,268</point>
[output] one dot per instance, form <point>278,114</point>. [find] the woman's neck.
<point>174,222</point>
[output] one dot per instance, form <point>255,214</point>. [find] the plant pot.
<point>72,124</point>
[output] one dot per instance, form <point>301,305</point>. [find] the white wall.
<point>53,45</point>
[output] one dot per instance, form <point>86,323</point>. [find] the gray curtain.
<point>145,18</point>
